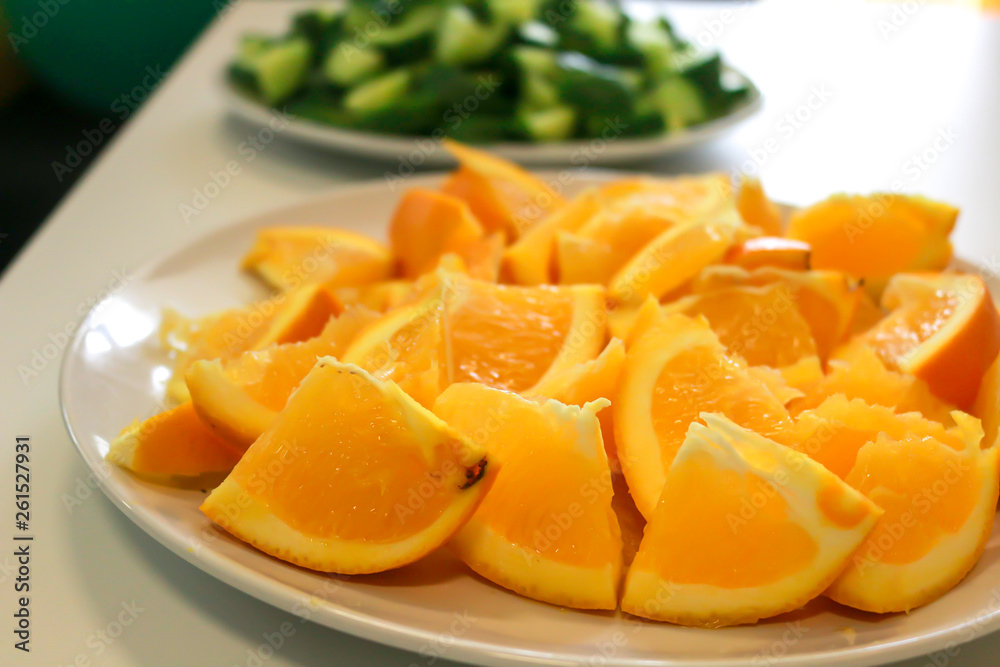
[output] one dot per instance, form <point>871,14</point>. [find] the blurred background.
<point>64,65</point>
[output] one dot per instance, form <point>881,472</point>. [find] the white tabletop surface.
<point>885,84</point>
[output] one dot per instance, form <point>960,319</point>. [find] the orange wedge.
<point>987,405</point>
<point>502,196</point>
<point>288,257</point>
<point>756,209</point>
<point>833,432</point>
<point>174,443</point>
<point>768,531</point>
<point>633,214</point>
<point>774,251</point>
<point>939,505</point>
<point>428,224</point>
<point>760,324</point>
<point>407,345</point>
<point>675,371</point>
<point>517,337</point>
<point>530,259</point>
<point>241,398</point>
<point>673,258</point>
<point>587,382</point>
<point>827,300</point>
<point>942,328</point>
<point>380,296</point>
<point>859,373</point>
<point>877,236</point>
<point>286,317</point>
<point>547,529</point>
<point>353,477</point>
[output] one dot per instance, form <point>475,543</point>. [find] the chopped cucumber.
<point>596,88</point>
<point>680,103</point>
<point>347,65</point>
<point>651,40</point>
<point>536,60</point>
<point>538,91</point>
<point>418,24</point>
<point>552,124</point>
<point>594,28</point>
<point>462,40</point>
<point>380,93</point>
<point>250,47</point>
<point>280,69</point>
<point>514,11</point>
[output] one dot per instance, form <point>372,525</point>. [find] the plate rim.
<point>372,628</point>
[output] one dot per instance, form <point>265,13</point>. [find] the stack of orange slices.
<point>657,395</point>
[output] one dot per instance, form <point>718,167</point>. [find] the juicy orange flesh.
<point>836,506</point>
<point>270,384</point>
<point>413,357</point>
<point>700,380</point>
<point>927,491</point>
<point>177,442</point>
<point>836,437</point>
<point>765,328</point>
<point>326,257</point>
<point>711,546</point>
<point>508,337</point>
<point>554,504</point>
<point>341,462</point>
<point>865,377</point>
<point>905,329</point>
<point>850,237</point>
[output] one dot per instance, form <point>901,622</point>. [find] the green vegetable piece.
<point>514,11</point>
<point>536,60</point>
<point>462,40</point>
<point>536,33</point>
<point>347,65</point>
<point>680,103</point>
<point>537,91</point>
<point>379,93</point>
<point>653,42</point>
<point>553,124</point>
<point>280,69</point>
<point>596,88</point>
<point>594,28</point>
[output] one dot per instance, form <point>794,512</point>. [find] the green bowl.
<point>104,55</point>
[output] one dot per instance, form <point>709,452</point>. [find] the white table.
<point>879,98</point>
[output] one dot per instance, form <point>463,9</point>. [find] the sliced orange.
<point>756,209</point>
<point>675,371</point>
<point>241,398</point>
<point>174,443</point>
<point>762,325</point>
<point>828,300</point>
<point>834,431</point>
<point>745,529</point>
<point>939,506</point>
<point>428,224</point>
<point>774,251</point>
<point>502,196</point>
<point>289,257</point>
<point>777,383</point>
<point>353,477</point>
<point>987,405</point>
<point>859,373</point>
<point>547,529</point>
<point>530,259</point>
<point>286,317</point>
<point>379,296</point>
<point>516,337</point>
<point>633,214</point>
<point>409,346</point>
<point>877,236</point>
<point>942,328</point>
<point>587,382</point>
<point>673,258</point>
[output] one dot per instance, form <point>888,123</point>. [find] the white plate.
<point>423,151</point>
<point>114,372</point>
